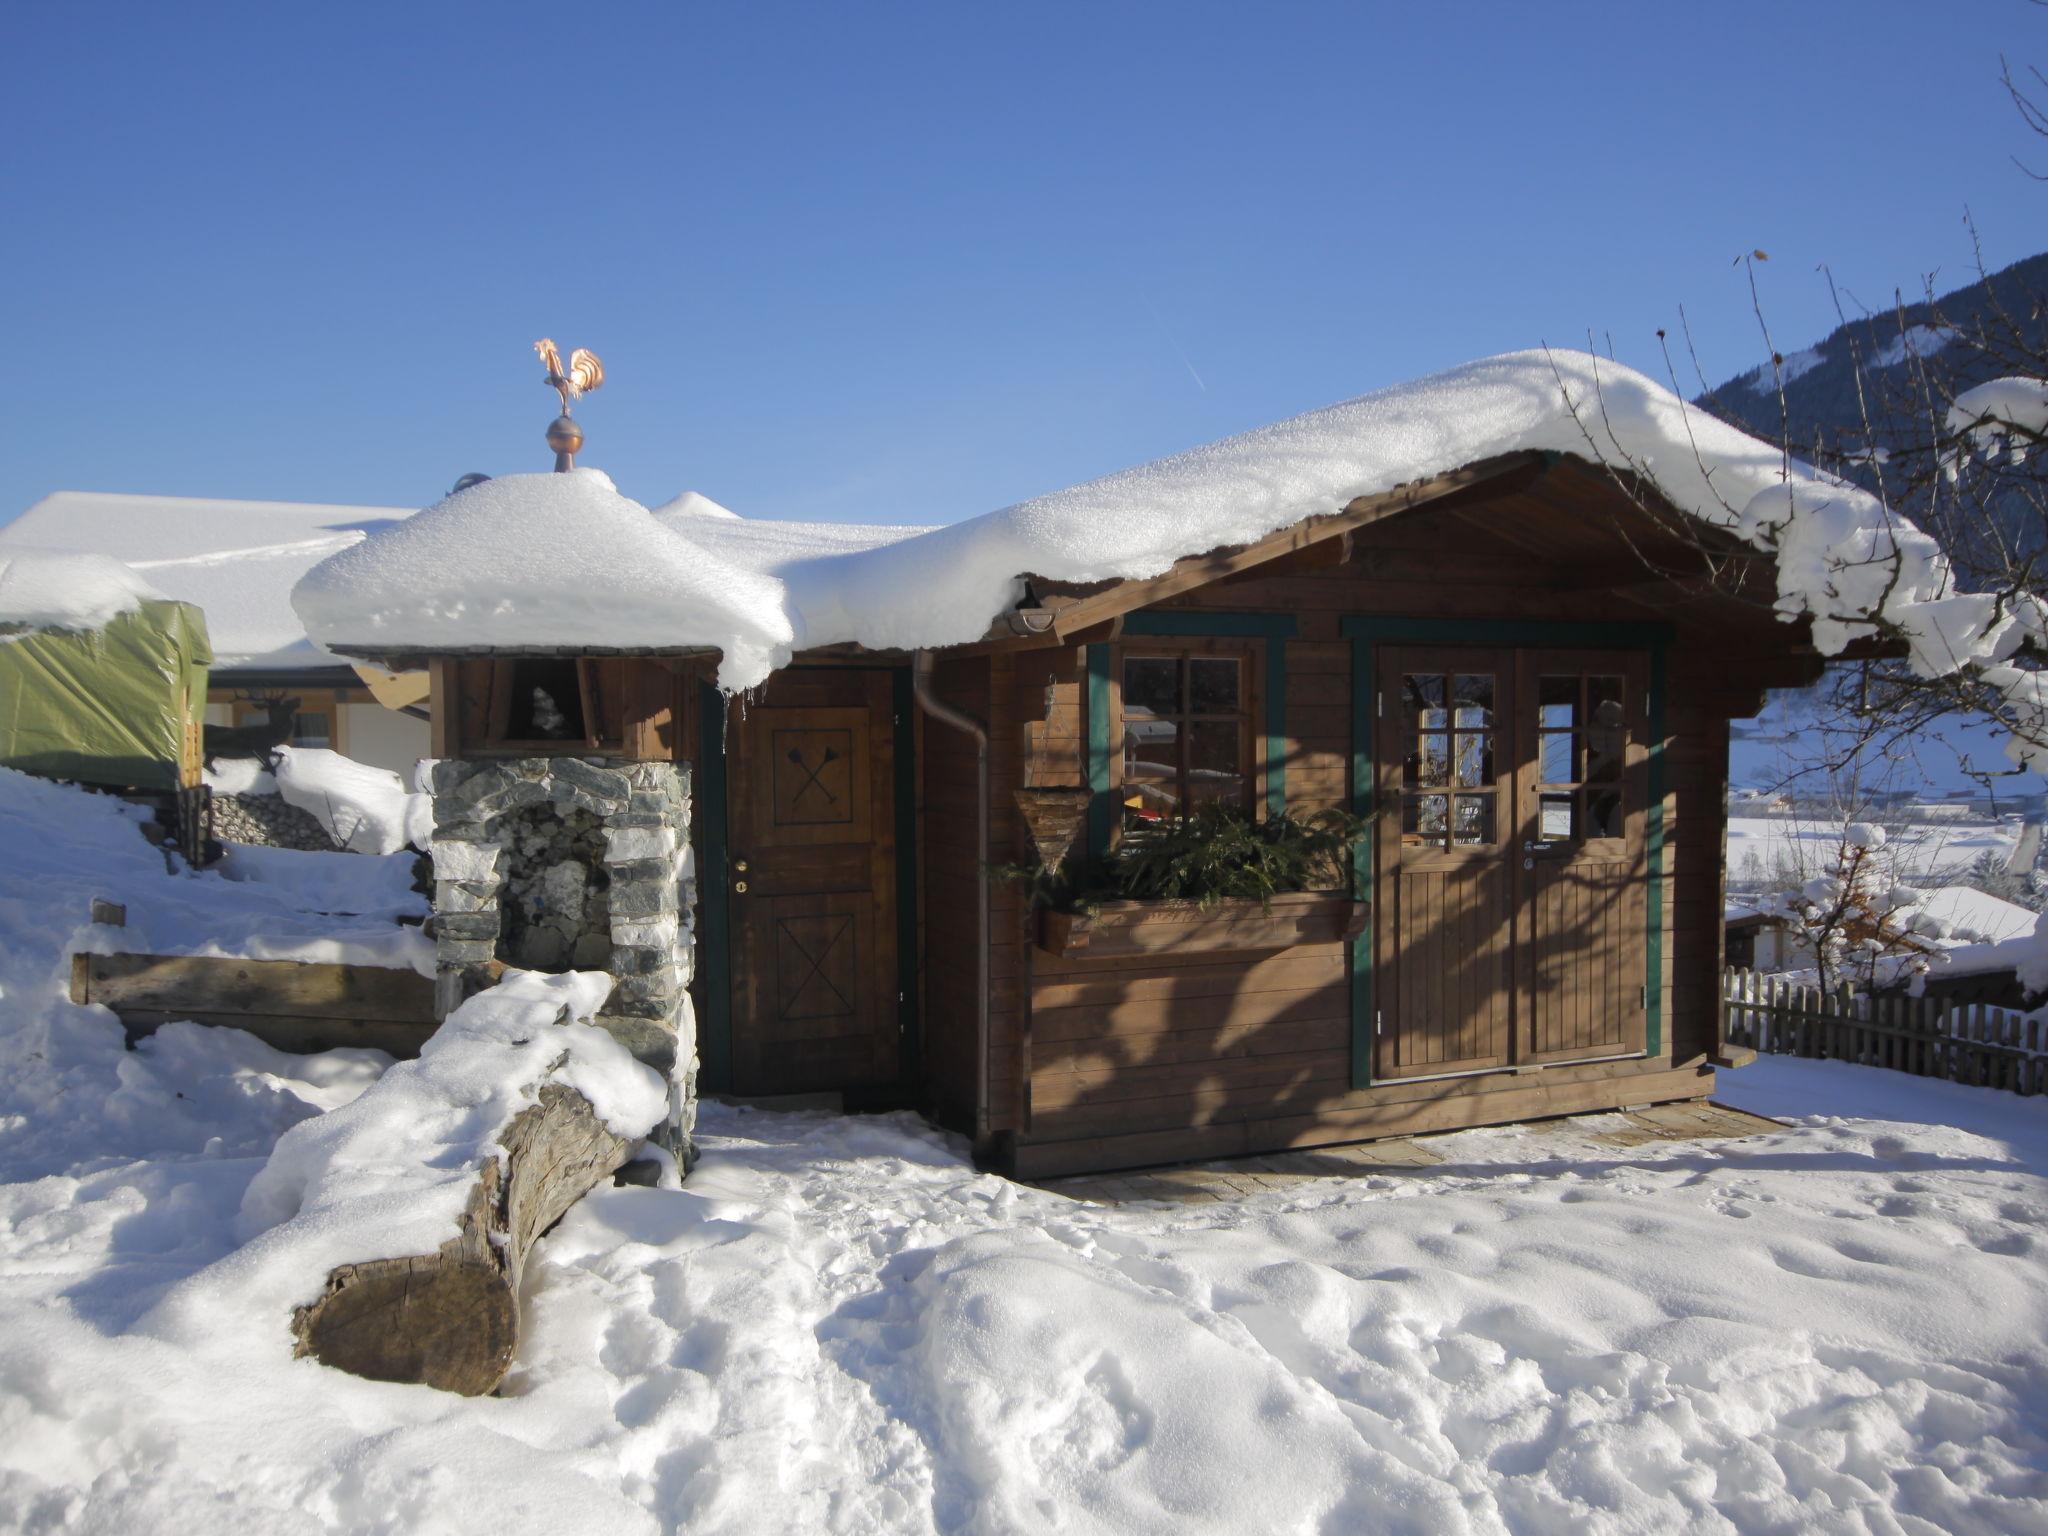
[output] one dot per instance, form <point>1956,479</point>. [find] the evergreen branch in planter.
<point>1219,854</point>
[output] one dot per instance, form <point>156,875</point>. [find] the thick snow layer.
<point>58,589</point>
<point>563,560</point>
<point>545,560</point>
<point>837,1326</point>
<point>389,1173</point>
<point>237,560</point>
<point>60,847</point>
<point>2008,414</point>
<point>1971,916</point>
<point>364,809</point>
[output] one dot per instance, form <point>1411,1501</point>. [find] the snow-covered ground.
<point>1759,847</point>
<point>838,1325</point>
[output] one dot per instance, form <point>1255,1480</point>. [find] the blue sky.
<point>909,263</point>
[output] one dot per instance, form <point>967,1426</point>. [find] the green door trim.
<point>1365,634</point>
<point>714,899</point>
<point>714,914</point>
<point>1274,628</point>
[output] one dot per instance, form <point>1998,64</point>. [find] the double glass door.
<point>1510,858</point>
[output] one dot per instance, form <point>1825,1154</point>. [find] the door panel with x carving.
<point>812,865</point>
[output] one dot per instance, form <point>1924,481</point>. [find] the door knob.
<point>740,865</point>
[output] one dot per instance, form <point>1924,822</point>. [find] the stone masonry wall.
<point>519,819</point>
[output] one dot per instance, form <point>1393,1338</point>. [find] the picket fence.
<point>1960,1042</point>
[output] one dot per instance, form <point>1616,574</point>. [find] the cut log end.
<point>438,1321</point>
<point>450,1319</point>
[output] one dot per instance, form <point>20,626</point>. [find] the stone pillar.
<point>644,809</point>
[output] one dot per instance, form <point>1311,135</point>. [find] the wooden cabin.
<point>1520,674</point>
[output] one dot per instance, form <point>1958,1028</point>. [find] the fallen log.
<point>450,1319</point>
<point>511,1114</point>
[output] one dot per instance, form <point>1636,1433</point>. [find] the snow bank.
<point>364,809</point>
<point>56,589</point>
<point>65,846</point>
<point>388,1173</point>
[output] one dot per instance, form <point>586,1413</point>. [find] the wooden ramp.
<point>287,1005</point>
<point>1550,1140</point>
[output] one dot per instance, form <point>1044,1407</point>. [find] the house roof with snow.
<point>236,560</point>
<point>775,589</point>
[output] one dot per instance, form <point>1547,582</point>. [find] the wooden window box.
<point>1184,928</point>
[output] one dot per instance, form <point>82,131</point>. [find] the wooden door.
<point>1510,858</point>
<point>812,865</point>
<point>1443,925</point>
<point>1582,819</point>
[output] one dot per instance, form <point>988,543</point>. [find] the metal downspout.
<point>960,720</point>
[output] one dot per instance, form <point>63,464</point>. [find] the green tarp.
<point>105,706</point>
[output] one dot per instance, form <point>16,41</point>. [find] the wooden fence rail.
<point>1960,1042</point>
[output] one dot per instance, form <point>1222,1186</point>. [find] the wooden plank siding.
<point>1120,1062</point>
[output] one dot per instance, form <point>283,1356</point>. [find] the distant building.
<point>237,561</point>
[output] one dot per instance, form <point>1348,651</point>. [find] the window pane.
<point>1604,701</point>
<point>1555,758</point>
<point>1603,756</point>
<point>1216,765</point>
<point>1212,685</point>
<point>1472,701</point>
<point>310,730</point>
<point>1604,813</point>
<point>1422,701</point>
<point>1472,819</point>
<point>1429,761</point>
<point>1151,773</point>
<point>1151,685</point>
<point>1422,819</point>
<point>1554,817</point>
<point>1472,760</point>
<point>1151,749</point>
<point>1557,702</point>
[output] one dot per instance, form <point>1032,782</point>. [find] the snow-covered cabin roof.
<point>236,560</point>
<point>758,592</point>
<point>548,560</point>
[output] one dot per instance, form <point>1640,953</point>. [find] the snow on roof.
<point>1972,916</point>
<point>237,560</point>
<point>1841,558</point>
<point>547,559</point>
<point>61,589</point>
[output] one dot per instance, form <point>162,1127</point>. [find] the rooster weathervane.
<point>583,374</point>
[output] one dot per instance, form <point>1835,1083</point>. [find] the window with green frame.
<point>1186,738</point>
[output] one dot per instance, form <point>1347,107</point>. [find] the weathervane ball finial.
<point>583,374</point>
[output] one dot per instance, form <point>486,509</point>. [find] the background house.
<point>236,561</point>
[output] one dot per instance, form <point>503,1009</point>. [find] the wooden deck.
<point>1577,1135</point>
